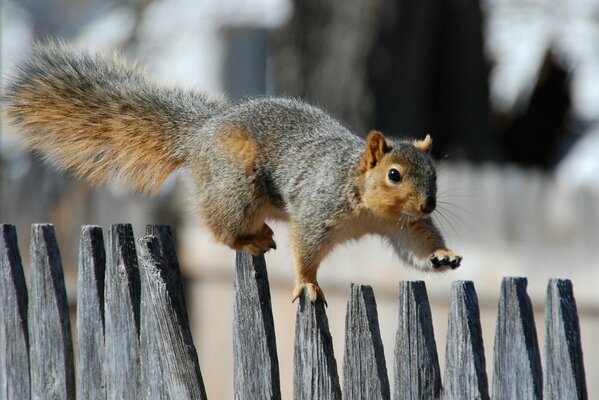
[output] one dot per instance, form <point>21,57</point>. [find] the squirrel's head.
<point>398,180</point>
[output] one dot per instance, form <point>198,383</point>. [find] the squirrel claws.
<point>313,290</point>
<point>445,258</point>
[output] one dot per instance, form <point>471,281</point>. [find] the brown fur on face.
<point>379,194</point>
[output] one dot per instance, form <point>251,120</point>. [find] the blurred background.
<point>508,89</point>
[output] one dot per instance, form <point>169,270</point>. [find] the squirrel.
<point>260,159</point>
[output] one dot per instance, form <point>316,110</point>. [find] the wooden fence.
<point>134,339</point>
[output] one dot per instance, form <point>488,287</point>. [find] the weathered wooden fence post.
<point>564,366</point>
<point>170,367</point>
<point>517,370</point>
<point>121,308</point>
<point>417,372</point>
<point>256,366</point>
<point>14,335</point>
<point>465,368</point>
<point>51,346</point>
<point>91,381</point>
<point>364,369</point>
<point>314,367</point>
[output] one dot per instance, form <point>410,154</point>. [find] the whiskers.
<point>448,214</point>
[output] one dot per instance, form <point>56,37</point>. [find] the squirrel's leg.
<point>307,254</point>
<point>257,242</point>
<point>421,244</point>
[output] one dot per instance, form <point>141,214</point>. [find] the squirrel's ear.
<point>424,145</point>
<point>376,147</point>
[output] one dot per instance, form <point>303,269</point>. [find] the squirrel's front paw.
<point>441,259</point>
<point>312,289</point>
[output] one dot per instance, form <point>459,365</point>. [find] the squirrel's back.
<point>97,116</point>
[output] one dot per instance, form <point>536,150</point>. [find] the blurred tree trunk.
<point>407,67</point>
<point>322,57</point>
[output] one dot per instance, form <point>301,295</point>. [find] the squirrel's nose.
<point>429,205</point>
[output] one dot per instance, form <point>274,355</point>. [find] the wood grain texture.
<point>314,367</point>
<point>417,372</point>
<point>14,335</point>
<point>91,382</point>
<point>517,370</point>
<point>51,347</point>
<point>170,367</point>
<point>564,365</point>
<point>256,366</point>
<point>364,369</point>
<point>465,368</point>
<point>121,308</point>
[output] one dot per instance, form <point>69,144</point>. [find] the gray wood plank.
<point>121,310</point>
<point>417,372</point>
<point>564,364</point>
<point>14,336</point>
<point>91,382</point>
<point>364,369</point>
<point>51,346</point>
<point>465,369</point>
<point>170,366</point>
<point>517,370</point>
<point>256,366</point>
<point>314,366</point>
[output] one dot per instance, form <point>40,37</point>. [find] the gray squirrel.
<point>267,158</point>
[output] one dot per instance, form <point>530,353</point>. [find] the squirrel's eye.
<point>394,175</point>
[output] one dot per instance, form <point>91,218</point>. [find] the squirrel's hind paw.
<point>312,289</point>
<point>258,243</point>
<point>441,259</point>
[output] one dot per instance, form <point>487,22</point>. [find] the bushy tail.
<point>97,116</point>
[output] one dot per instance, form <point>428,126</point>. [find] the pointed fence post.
<point>417,372</point>
<point>564,365</point>
<point>121,308</point>
<point>314,366</point>
<point>364,369</point>
<point>465,368</point>
<point>256,366</point>
<point>91,382</point>
<point>517,370</point>
<point>169,359</point>
<point>14,336</point>
<point>51,346</point>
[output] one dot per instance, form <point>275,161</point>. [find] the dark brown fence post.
<point>91,382</point>
<point>564,365</point>
<point>256,366</point>
<point>516,359</point>
<point>14,336</point>
<point>169,359</point>
<point>364,369</point>
<point>417,372</point>
<point>314,366</point>
<point>465,368</point>
<point>51,346</point>
<point>121,308</point>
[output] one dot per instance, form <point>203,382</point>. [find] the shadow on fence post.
<point>465,369</point>
<point>170,367</point>
<point>51,346</point>
<point>91,381</point>
<point>314,366</point>
<point>256,367</point>
<point>517,370</point>
<point>121,307</point>
<point>364,369</point>
<point>14,336</point>
<point>417,372</point>
<point>564,365</point>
